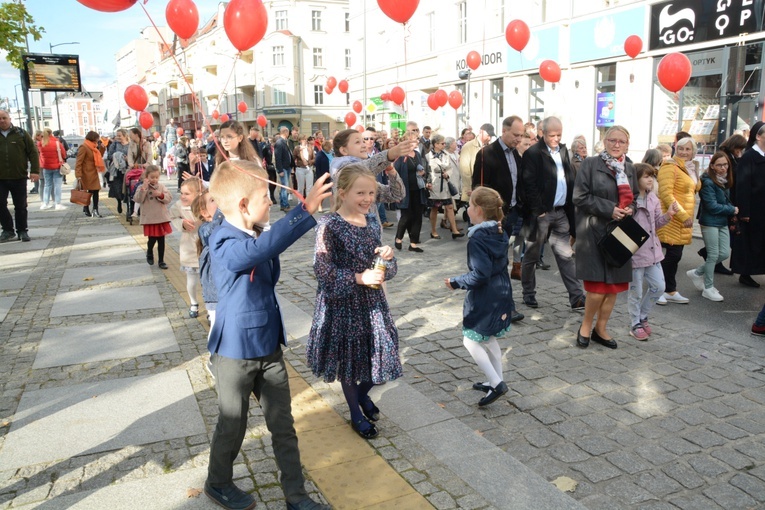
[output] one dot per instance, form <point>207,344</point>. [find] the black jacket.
<point>540,180</point>
<point>491,163</point>
<point>282,155</point>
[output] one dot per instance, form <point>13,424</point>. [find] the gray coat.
<point>595,196</point>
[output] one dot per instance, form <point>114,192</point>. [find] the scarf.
<point>622,182</point>
<point>97,158</point>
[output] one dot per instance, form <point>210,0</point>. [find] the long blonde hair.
<point>46,134</point>
<point>345,179</point>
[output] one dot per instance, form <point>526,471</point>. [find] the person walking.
<point>90,163</point>
<point>18,156</point>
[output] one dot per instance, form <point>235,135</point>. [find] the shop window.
<point>605,99</point>
<point>536,98</point>
<point>497,92</point>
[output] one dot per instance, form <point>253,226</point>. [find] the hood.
<point>487,233</point>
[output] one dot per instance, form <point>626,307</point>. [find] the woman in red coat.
<point>52,155</point>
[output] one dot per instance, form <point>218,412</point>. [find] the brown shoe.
<point>515,272</point>
<point>387,224</point>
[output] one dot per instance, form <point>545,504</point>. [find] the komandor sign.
<point>486,59</point>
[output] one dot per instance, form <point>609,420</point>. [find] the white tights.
<point>192,287</point>
<point>488,356</point>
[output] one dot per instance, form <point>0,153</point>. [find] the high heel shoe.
<point>397,244</point>
<point>457,234</point>
<point>368,432</point>
<point>436,236</point>
<point>370,410</point>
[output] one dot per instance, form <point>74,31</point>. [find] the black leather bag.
<point>622,239</point>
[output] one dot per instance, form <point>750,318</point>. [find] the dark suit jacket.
<point>540,180</point>
<point>491,161</point>
<point>282,155</point>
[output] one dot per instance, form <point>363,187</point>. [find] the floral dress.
<point>353,337</point>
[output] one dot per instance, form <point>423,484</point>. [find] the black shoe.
<point>23,236</point>
<point>481,387</point>
<point>611,344</point>
<point>703,253</point>
<point>370,410</point>
<point>369,432</point>
<point>748,281</point>
<point>582,341</point>
<point>307,504</point>
<point>397,244</point>
<point>531,302</point>
<point>516,316</point>
<point>493,394</point>
<point>150,259</point>
<point>435,236</point>
<point>720,269</point>
<point>33,192</point>
<point>578,304</point>
<point>231,497</point>
<point>7,236</point>
<point>194,311</point>
<point>541,265</point>
<point>87,212</point>
<point>457,235</point>
<point>162,265</point>
<point>415,249</point>
<point>119,207</point>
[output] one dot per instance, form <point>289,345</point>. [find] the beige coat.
<point>153,210</point>
<point>467,162</point>
<point>188,245</point>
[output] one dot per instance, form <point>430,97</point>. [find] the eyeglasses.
<point>229,137</point>
<point>721,165</point>
<point>616,141</point>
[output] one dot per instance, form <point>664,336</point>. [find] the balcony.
<point>172,103</point>
<point>187,99</point>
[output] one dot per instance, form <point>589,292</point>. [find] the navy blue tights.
<point>356,395</point>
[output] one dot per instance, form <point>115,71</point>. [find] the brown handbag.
<point>79,196</point>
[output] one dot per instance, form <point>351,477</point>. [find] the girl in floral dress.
<point>353,337</point>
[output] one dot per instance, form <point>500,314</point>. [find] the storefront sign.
<point>603,37</point>
<point>604,116</point>
<point>280,111</point>
<point>493,60</point>
<point>680,22</point>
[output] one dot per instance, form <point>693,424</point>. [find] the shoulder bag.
<point>621,240</point>
<point>64,169</point>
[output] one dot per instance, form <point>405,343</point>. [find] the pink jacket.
<point>649,216</point>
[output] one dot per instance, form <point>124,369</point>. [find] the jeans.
<point>304,176</point>
<point>717,243</point>
<point>284,179</point>
<point>760,320</point>
<point>52,187</point>
<point>17,188</point>
<point>672,256</point>
<point>554,225</point>
<point>381,212</point>
<point>640,304</point>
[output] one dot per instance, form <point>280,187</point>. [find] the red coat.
<point>49,154</point>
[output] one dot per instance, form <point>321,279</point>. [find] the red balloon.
<point>224,118</point>
<point>360,128</point>
<point>215,114</point>
<point>441,97</point>
<point>108,5</point>
<point>179,131</point>
<point>262,121</point>
<point>350,119</point>
<point>357,106</point>
<point>136,98</point>
<point>549,70</point>
<point>385,96</point>
<point>473,60</point>
<point>182,17</point>
<point>242,106</point>
<point>332,82</point>
<point>517,34</point>
<point>343,86</point>
<point>398,10</point>
<point>156,133</point>
<point>328,89</point>
<point>455,99</point>
<point>432,102</point>
<point>245,22</point>
<point>674,71</point>
<point>146,120</point>
<point>397,95</point>
<point>199,134</point>
<point>632,45</point>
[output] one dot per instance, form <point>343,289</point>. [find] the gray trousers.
<point>553,225</point>
<point>266,378</point>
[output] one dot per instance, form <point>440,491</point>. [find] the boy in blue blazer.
<point>245,340</point>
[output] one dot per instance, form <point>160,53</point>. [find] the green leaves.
<point>16,24</point>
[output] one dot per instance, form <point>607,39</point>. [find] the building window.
<point>318,94</point>
<point>84,108</point>
<point>318,60</point>
<point>536,98</point>
<point>281,20</point>
<point>316,21</point>
<point>463,21</point>
<point>497,92</point>
<point>280,97</point>
<point>347,59</point>
<point>431,31</point>
<point>347,21</point>
<point>85,120</point>
<point>278,55</point>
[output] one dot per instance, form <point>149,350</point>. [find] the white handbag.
<point>65,169</point>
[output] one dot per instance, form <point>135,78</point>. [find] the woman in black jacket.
<point>411,169</point>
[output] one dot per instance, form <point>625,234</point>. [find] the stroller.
<point>132,181</point>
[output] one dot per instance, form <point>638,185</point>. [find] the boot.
<point>95,213</point>
<point>86,210</point>
<point>515,272</point>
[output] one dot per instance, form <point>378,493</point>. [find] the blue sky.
<point>100,35</point>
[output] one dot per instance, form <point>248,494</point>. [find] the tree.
<point>15,25</point>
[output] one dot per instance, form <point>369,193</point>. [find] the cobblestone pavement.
<point>674,422</point>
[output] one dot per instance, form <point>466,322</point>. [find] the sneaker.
<point>61,207</point>
<point>711,294</point>
<point>676,298</point>
<point>23,236</point>
<point>638,333</point>
<point>662,300</point>
<point>646,327</point>
<point>45,206</point>
<point>758,330</point>
<point>7,236</point>
<point>231,497</point>
<point>697,279</point>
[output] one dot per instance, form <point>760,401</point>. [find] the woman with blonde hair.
<point>52,156</point>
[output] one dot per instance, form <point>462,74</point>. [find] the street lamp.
<point>16,92</point>
<point>55,94</point>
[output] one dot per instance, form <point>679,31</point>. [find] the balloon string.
<point>406,63</point>
<point>198,102</point>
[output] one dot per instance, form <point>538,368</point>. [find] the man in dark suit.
<point>547,185</point>
<point>497,166</point>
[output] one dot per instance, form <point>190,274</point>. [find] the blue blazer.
<point>248,321</point>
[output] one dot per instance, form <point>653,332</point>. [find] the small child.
<point>245,340</point>
<point>646,262</point>
<point>155,217</point>
<point>182,219</point>
<point>209,217</point>
<point>353,337</point>
<point>169,164</point>
<point>488,304</point>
